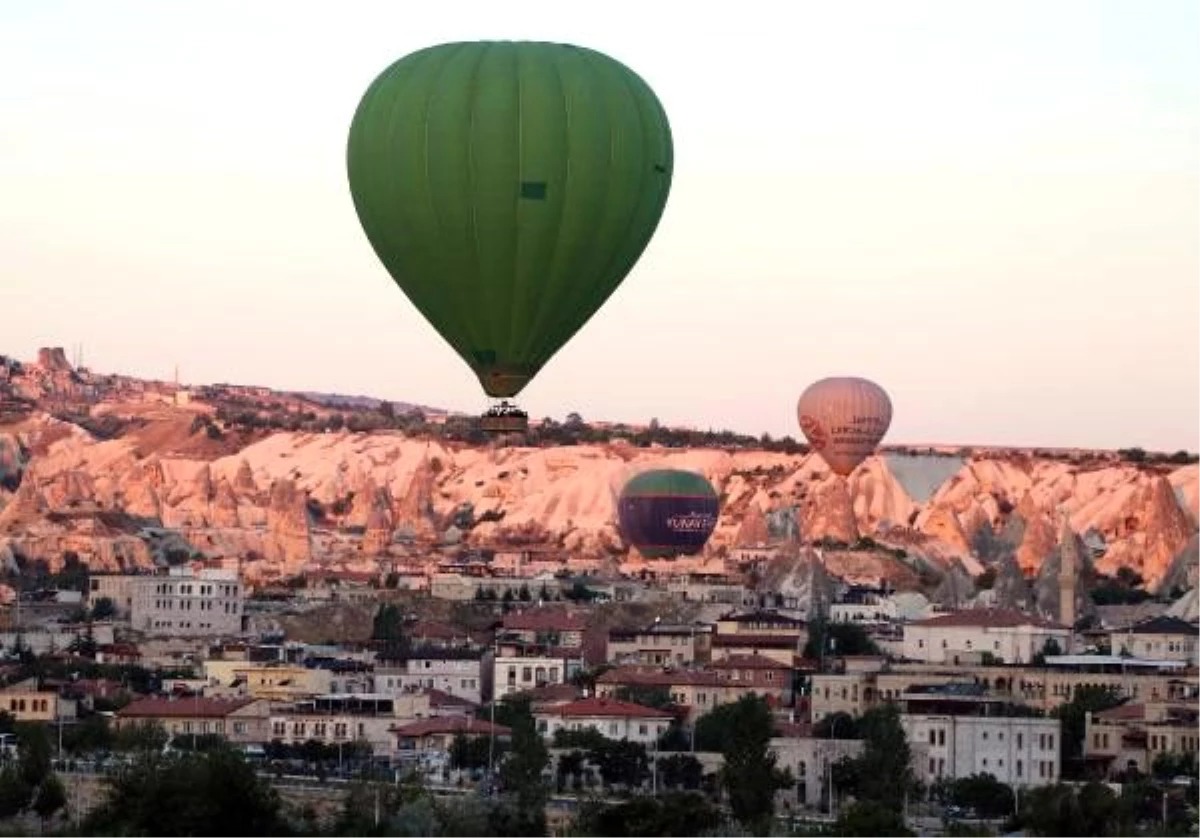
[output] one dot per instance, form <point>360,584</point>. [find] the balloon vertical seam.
<point>518,289</point>
<point>472,101</point>
<point>535,350</point>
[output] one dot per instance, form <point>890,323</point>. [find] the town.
<point>986,698</point>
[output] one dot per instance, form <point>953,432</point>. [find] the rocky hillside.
<point>139,477</point>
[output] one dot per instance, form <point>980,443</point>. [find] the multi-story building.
<point>611,718</point>
<point>26,701</point>
<point>977,635</point>
<point>697,690</point>
<point>517,670</point>
<point>832,693</point>
<point>1161,638</point>
<point>181,602</point>
<point>240,720</point>
<point>759,674</point>
<point>760,632</point>
<point>811,762</point>
<point>543,627</point>
<point>365,718</point>
<point>1133,735</point>
<point>659,644</point>
<point>966,733</point>
<point>117,588</point>
<point>465,673</point>
<point>437,735</point>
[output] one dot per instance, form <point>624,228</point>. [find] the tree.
<point>984,795</point>
<point>882,772</point>
<point>212,793</point>
<point>671,814</point>
<point>1087,699</point>
<point>49,798</point>
<point>680,771</point>
<point>34,749</point>
<point>15,793</point>
<point>521,776</point>
<point>657,697</point>
<point>870,817</point>
<point>837,639</point>
<point>104,609</point>
<point>388,628</point>
<point>749,776</point>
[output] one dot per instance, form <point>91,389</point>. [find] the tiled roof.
<point>1125,712</point>
<point>748,662</point>
<point>590,708</point>
<point>439,698</point>
<point>468,725</point>
<point>1165,625</point>
<point>765,617</point>
<point>634,676</point>
<point>156,707</point>
<point>987,618</point>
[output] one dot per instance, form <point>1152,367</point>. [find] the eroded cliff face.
<point>291,500</point>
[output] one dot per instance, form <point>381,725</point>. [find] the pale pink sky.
<point>989,208</point>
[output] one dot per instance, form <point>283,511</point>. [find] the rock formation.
<point>388,495</point>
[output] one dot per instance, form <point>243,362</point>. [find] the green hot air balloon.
<point>509,188</point>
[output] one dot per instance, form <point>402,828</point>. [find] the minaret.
<point>1067,569</point>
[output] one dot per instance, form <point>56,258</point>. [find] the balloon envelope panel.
<point>844,420</point>
<point>509,188</point>
<point>668,512</point>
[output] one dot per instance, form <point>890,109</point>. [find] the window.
<point>1020,740</point>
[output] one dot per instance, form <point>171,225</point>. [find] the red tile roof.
<point>439,698</point>
<point>468,725</point>
<point>1122,713</point>
<point>644,677</point>
<point>591,708</point>
<point>987,618</point>
<point>748,662</point>
<point>156,707</point>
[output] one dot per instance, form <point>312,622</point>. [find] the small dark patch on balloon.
<point>534,190</point>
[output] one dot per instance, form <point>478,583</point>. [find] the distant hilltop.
<point>124,473</point>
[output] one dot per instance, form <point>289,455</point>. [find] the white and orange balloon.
<point>844,419</point>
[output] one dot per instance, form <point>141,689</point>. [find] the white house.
<point>613,719</point>
<point>1016,750</point>
<point>459,672</point>
<point>1160,638</point>
<point>182,603</point>
<point>967,636</point>
<point>516,673</point>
